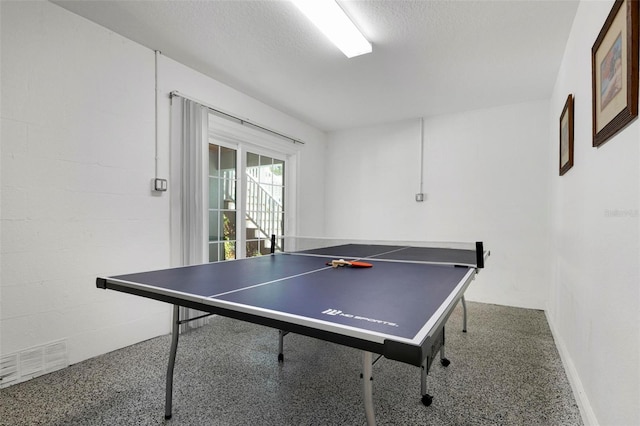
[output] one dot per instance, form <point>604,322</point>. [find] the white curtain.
<point>191,129</point>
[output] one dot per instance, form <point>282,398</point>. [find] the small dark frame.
<point>566,136</point>
<point>614,53</point>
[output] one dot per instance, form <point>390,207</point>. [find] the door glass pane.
<point>266,177</point>
<point>215,252</point>
<point>214,225</point>
<point>278,172</point>
<point>252,248</point>
<point>228,162</point>
<point>229,250</point>
<point>277,193</point>
<point>229,222</point>
<point>214,160</point>
<point>214,193</point>
<point>253,160</point>
<point>228,194</point>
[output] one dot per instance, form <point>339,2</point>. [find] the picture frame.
<point>566,136</point>
<point>614,71</point>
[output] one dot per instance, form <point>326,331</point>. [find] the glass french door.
<point>246,202</point>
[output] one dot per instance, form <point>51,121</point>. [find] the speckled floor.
<point>504,371</point>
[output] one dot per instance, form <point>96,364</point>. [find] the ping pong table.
<point>397,308</point>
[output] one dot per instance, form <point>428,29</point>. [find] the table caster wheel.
<point>427,400</point>
<point>445,362</point>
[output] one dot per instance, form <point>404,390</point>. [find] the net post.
<point>479,254</point>
<point>273,243</point>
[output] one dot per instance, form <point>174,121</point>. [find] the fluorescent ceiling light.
<point>329,17</point>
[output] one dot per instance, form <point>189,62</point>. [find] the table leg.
<point>443,358</point>
<point>281,334</point>
<point>175,331</point>
<point>426,398</point>
<point>367,386</point>
<point>464,315</point>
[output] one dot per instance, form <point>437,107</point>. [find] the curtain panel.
<point>191,122</point>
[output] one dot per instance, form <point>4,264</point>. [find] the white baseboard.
<point>588,416</point>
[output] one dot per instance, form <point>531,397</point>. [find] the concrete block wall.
<point>78,154</point>
<point>483,178</point>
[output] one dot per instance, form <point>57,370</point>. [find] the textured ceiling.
<point>429,57</point>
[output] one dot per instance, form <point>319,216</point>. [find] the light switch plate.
<point>160,184</point>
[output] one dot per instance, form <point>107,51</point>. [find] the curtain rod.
<point>233,117</point>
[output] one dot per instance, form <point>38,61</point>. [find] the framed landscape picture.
<point>614,70</point>
<point>566,136</point>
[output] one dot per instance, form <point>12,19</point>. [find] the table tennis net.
<point>451,253</point>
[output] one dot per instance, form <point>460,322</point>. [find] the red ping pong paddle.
<point>352,263</point>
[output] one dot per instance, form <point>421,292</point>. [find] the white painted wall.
<point>484,179</point>
<point>594,302</point>
<point>78,155</point>
<point>77,159</point>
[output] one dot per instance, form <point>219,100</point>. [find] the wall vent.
<point>8,370</point>
<point>55,356</point>
<point>33,362</point>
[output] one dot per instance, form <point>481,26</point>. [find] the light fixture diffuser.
<point>334,23</point>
